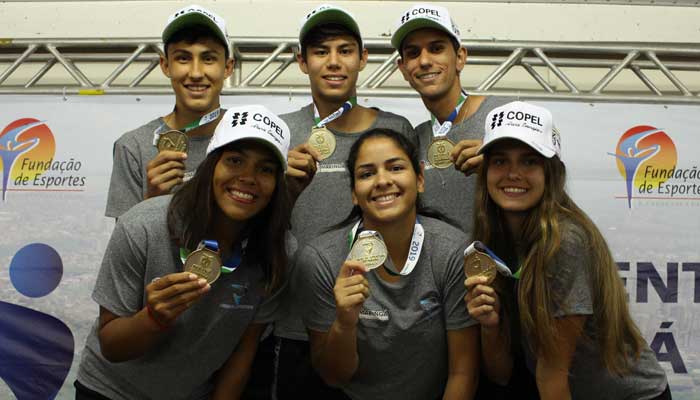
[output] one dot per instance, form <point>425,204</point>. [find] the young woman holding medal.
<point>579,338</point>
<point>332,55</point>
<point>189,280</point>
<point>383,290</point>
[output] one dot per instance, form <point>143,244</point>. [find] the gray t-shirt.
<point>588,377</point>
<point>202,338</point>
<point>327,199</point>
<point>402,330</point>
<point>448,190</point>
<point>132,152</point>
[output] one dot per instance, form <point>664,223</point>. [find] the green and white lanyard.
<point>203,120</point>
<point>347,106</point>
<point>440,130</point>
<point>413,252</point>
<point>233,262</point>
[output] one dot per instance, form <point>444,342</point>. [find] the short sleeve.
<point>120,283</point>
<point>126,182</point>
<point>456,314</point>
<point>315,281</point>
<point>569,276</point>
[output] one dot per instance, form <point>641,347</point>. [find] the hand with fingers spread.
<point>351,290</point>
<point>301,168</point>
<point>464,156</point>
<point>171,295</point>
<point>164,172</point>
<point>482,301</point>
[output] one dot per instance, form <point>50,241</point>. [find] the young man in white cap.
<point>431,59</point>
<point>331,53</point>
<point>152,159</point>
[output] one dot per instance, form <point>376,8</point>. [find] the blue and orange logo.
<point>27,137</point>
<point>641,149</point>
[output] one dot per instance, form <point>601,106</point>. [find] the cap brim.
<point>413,25</point>
<point>189,20</point>
<point>330,16</point>
<point>547,153</point>
<point>280,157</point>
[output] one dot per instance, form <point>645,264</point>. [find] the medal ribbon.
<point>203,120</point>
<point>501,266</point>
<point>441,130</point>
<point>230,265</point>
<point>413,252</point>
<point>335,114</point>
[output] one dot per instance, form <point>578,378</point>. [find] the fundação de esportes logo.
<point>27,149</point>
<point>647,159</point>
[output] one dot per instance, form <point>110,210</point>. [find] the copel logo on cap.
<point>318,10</point>
<point>199,10</point>
<point>497,119</point>
<point>273,127</point>
<point>239,118</point>
<point>421,11</point>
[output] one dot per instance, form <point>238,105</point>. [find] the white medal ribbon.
<point>440,130</point>
<point>413,252</point>
<point>335,114</point>
<point>205,119</point>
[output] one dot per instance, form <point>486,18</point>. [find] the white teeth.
<point>514,190</point>
<point>335,78</point>
<point>428,76</point>
<point>387,197</point>
<point>196,87</point>
<point>242,195</point>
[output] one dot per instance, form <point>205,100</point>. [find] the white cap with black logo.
<point>253,122</point>
<point>328,14</point>
<point>193,15</point>
<point>525,122</point>
<point>424,16</point>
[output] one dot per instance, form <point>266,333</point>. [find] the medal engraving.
<point>479,264</point>
<point>323,141</point>
<point>172,141</point>
<point>370,250</point>
<point>204,263</point>
<point>439,153</point>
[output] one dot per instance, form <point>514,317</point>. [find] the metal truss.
<point>621,72</point>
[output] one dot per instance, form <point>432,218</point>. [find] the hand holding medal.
<point>350,291</point>
<point>481,266</point>
<point>169,296</point>
<point>172,141</point>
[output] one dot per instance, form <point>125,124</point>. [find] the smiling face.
<point>197,72</point>
<point>386,185</point>
<point>244,180</point>
<point>515,176</point>
<point>333,67</point>
<point>430,64</point>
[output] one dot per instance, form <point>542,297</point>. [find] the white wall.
<point>498,21</point>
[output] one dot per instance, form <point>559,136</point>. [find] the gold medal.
<point>370,250</point>
<point>439,152</point>
<point>204,263</point>
<point>172,141</point>
<point>480,264</point>
<point>323,141</point>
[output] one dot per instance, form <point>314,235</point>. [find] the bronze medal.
<point>172,141</point>
<point>204,263</point>
<point>439,152</point>
<point>370,250</point>
<point>323,141</point>
<point>478,263</point>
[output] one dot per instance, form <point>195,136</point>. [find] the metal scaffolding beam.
<point>628,72</point>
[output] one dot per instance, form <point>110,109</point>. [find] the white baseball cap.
<point>424,16</point>
<point>254,122</point>
<point>328,14</point>
<point>525,122</point>
<point>196,15</point>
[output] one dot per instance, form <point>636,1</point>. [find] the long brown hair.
<point>193,210</point>
<point>617,336</point>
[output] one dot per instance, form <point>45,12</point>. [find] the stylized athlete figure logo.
<point>636,146</point>
<point>11,147</point>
